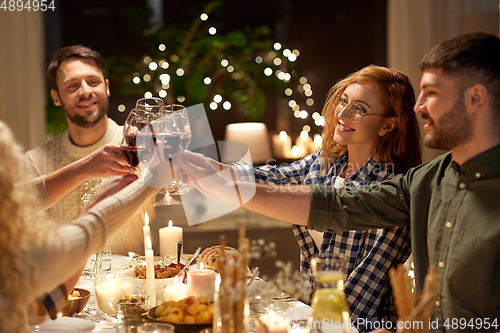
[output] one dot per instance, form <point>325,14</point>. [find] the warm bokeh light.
<point>179,72</point>
<point>268,71</point>
<point>310,102</point>
<point>213,105</point>
<point>148,94</point>
<point>217,98</point>
<point>203,17</point>
<point>306,128</point>
<point>303,114</point>
<point>288,92</point>
<point>212,31</point>
<point>146,78</point>
<point>292,103</point>
<point>162,93</point>
<point>258,59</point>
<point>224,62</point>
<point>277,46</point>
<point>121,108</point>
<point>153,65</point>
<point>162,47</point>
<point>181,99</point>
<point>226,105</point>
<point>207,80</point>
<point>283,135</point>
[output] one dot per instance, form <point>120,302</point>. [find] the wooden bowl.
<point>76,305</point>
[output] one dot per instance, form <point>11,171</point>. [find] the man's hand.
<point>109,187</point>
<point>107,161</point>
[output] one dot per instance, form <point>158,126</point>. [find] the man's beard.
<point>89,120</point>
<point>451,129</point>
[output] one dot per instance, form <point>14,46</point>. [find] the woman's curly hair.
<point>19,228</point>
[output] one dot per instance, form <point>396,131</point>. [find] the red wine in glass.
<point>172,144</point>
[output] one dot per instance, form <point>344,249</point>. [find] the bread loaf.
<point>210,256</point>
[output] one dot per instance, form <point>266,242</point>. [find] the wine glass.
<point>150,106</point>
<point>184,130</point>
<point>137,143</point>
<point>173,133</point>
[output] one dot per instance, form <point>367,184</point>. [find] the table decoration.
<point>176,291</point>
<point>146,231</point>
<point>169,237</point>
<point>150,275</point>
<point>232,301</point>
<point>412,305</point>
<point>109,289</point>
<point>272,323</point>
<point>201,282</point>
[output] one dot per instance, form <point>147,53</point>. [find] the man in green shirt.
<point>452,202</point>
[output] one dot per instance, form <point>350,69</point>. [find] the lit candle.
<point>169,237</point>
<point>146,230</point>
<point>201,282</point>
<point>272,323</point>
<point>150,274</point>
<point>282,144</point>
<point>304,142</point>
<point>176,291</point>
<point>109,291</point>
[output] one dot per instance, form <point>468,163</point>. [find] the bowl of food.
<point>188,315</point>
<point>76,302</point>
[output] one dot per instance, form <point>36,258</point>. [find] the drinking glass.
<point>137,143</point>
<point>173,132</point>
<point>150,106</point>
<point>330,312</point>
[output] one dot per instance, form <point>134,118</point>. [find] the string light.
<point>268,71</point>
<point>258,59</point>
<point>162,93</point>
<point>148,94</point>
<point>207,80</point>
<point>277,46</point>
<point>146,78</point>
<point>213,105</point>
<point>217,98</point>
<point>212,31</point>
<point>153,66</point>
<point>224,62</point>
<point>179,72</point>
<point>203,17</point>
<point>226,105</point>
<point>121,108</point>
<point>136,80</point>
<point>181,99</point>
<point>162,47</point>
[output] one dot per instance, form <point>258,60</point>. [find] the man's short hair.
<point>470,59</point>
<point>75,51</point>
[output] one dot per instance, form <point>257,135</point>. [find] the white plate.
<point>79,324</point>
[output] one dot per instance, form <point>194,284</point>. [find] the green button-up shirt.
<point>455,218</point>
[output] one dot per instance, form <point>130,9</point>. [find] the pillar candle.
<point>146,230</point>
<point>109,291</point>
<point>169,237</point>
<point>304,142</point>
<point>150,274</point>
<point>176,291</point>
<point>282,145</point>
<point>201,282</point>
<point>272,323</point>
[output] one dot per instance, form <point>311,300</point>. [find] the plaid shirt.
<point>370,252</point>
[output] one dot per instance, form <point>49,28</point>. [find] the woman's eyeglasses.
<point>355,111</point>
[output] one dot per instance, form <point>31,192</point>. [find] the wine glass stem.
<point>173,174</point>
